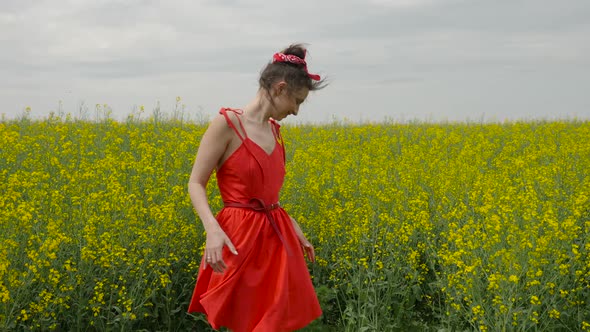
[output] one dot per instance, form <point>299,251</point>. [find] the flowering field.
<point>439,227</point>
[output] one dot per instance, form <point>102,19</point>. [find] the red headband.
<point>280,57</point>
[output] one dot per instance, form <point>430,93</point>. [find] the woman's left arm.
<point>305,244</point>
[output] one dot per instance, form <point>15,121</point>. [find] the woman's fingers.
<point>220,263</point>
<point>215,242</point>
<point>206,258</point>
<point>210,258</point>
<point>214,259</point>
<point>311,253</point>
<point>308,250</point>
<point>231,246</point>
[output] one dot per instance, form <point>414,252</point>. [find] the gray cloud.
<point>437,59</point>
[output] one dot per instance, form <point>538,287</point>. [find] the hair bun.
<point>295,49</point>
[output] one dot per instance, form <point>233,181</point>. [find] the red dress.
<point>267,286</point>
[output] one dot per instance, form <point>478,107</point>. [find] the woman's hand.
<point>305,244</point>
<point>214,249</point>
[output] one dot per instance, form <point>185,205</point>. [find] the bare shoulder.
<point>218,131</point>
<point>233,117</point>
<point>219,124</point>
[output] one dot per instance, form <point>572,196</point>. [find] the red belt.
<point>257,204</point>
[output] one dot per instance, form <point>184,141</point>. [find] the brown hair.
<point>293,74</point>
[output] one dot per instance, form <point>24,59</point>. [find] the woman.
<point>253,275</point>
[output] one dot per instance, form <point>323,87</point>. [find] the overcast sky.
<point>433,60</point>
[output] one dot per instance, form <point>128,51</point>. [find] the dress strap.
<point>238,112</point>
<point>277,132</point>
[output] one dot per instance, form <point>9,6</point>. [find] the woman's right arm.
<point>211,149</point>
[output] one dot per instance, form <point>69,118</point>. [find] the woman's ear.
<point>279,88</point>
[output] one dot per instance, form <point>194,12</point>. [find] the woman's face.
<point>287,102</point>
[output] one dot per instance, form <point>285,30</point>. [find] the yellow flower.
<point>553,313</point>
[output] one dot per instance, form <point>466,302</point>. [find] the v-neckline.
<point>262,149</point>
<point>247,137</point>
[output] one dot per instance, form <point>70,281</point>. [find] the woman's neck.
<point>259,110</point>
